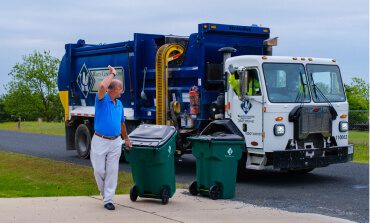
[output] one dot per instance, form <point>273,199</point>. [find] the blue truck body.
<point>200,65</point>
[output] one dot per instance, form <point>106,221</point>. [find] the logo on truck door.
<point>85,81</point>
<point>246,106</point>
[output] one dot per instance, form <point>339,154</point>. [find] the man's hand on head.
<point>103,87</point>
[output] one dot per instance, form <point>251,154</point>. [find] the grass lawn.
<point>51,128</point>
<point>27,176</point>
<point>360,139</point>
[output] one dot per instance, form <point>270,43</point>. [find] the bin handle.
<point>125,148</point>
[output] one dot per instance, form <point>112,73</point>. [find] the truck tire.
<point>83,141</point>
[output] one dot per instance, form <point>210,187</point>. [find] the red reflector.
<point>177,56</point>
<point>315,109</point>
<point>254,143</point>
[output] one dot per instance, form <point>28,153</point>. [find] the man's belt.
<point>106,137</point>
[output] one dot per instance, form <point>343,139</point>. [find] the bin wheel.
<point>133,193</point>
<point>215,192</point>
<point>193,188</point>
<point>165,194</point>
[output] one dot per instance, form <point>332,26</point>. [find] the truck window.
<point>328,82</point>
<point>253,83</point>
<point>286,83</point>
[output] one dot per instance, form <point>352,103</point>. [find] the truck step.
<point>256,161</point>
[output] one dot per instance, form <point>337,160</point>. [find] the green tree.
<point>32,91</point>
<point>358,99</point>
<point>358,94</point>
<point>4,116</point>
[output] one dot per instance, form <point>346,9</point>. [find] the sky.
<point>327,28</point>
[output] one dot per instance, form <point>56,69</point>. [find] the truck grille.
<point>314,120</point>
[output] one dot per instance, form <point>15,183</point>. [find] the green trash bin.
<point>152,162</point>
<point>216,164</point>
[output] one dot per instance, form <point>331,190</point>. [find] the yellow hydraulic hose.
<point>165,54</point>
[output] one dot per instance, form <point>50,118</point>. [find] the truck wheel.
<point>83,141</point>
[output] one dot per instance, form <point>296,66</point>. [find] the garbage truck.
<point>291,111</point>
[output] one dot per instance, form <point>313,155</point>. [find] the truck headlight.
<point>279,129</point>
<point>343,126</point>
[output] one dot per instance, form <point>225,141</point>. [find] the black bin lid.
<point>220,136</point>
<point>151,135</point>
<point>224,125</point>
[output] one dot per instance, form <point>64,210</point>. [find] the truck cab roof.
<point>258,60</point>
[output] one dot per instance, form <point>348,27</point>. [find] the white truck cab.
<point>292,111</point>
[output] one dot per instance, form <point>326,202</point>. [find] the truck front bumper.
<point>312,158</point>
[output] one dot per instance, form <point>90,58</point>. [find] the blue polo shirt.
<point>108,117</point>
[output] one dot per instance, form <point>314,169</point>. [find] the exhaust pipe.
<point>268,44</point>
<point>227,51</point>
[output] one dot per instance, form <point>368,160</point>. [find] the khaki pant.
<point>104,158</point>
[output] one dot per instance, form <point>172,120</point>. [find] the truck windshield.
<point>326,83</point>
<point>286,83</point>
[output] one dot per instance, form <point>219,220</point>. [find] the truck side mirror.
<point>243,86</point>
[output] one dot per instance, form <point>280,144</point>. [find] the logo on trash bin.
<point>169,151</point>
<point>229,152</point>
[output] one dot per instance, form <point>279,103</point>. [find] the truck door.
<point>246,108</point>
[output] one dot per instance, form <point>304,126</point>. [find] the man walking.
<point>106,143</point>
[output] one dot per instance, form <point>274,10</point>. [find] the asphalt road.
<point>340,190</point>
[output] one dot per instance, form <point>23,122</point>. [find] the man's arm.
<point>124,135</point>
<point>103,87</point>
